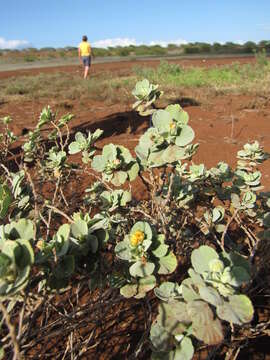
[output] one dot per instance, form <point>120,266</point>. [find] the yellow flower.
<point>39,244</point>
<point>136,238</point>
<point>172,125</point>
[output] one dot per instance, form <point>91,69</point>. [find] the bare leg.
<point>86,70</point>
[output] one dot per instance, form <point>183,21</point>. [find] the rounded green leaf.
<point>5,261</point>
<point>238,310</point>
<point>210,295</point>
<point>188,292</point>
<point>160,338</point>
<point>141,269</point>
<point>178,114</point>
<point>173,317</point>
<point>196,278</point>
<point>20,282</point>
<point>172,154</point>
<point>22,229</point>
<point>79,137</point>
<point>74,148</point>
<point>201,257</point>
<point>160,251</point>
<point>186,136</point>
<point>133,171</point>
<point>167,290</point>
<point>27,256</point>
<point>129,290</point>
<point>185,350</point>
<point>64,231</point>
<point>155,159</point>
<point>109,152</point>
<point>79,228</point>
<point>98,163</point>
<point>122,250</point>
<point>12,249</point>
<point>210,333</point>
<point>119,177</point>
<point>200,312</point>
<point>139,289</point>
<point>125,198</point>
<point>5,200</point>
<point>125,153</point>
<point>167,264</point>
<point>161,120</point>
<point>145,284</point>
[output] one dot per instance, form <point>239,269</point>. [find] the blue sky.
<point>59,23</point>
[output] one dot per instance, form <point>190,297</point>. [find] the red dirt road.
<point>126,65</point>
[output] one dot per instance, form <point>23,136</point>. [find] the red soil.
<point>222,125</point>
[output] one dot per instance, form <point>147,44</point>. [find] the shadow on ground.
<point>115,124</point>
<point>185,101</point>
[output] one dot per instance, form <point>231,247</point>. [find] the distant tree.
<point>123,51</point>
<point>204,47</point>
<point>264,44</point>
<point>100,52</point>
<point>172,46</point>
<point>48,49</point>
<point>70,48</point>
<point>30,49</point>
<point>192,48</point>
<point>216,47</point>
<point>250,47</point>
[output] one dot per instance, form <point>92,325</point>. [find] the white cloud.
<point>166,43</point>
<point>240,42</point>
<point>13,44</point>
<point>114,42</point>
<point>126,42</point>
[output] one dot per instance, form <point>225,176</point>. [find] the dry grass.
<point>111,89</point>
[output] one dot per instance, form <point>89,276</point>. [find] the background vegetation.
<point>48,53</point>
<point>112,88</point>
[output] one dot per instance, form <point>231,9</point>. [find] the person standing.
<point>85,55</point>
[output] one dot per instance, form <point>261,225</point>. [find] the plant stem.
<point>12,332</point>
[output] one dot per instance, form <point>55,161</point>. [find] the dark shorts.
<point>86,60</point>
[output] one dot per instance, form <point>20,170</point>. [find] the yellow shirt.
<point>85,48</point>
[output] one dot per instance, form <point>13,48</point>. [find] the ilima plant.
<point>116,164</point>
<point>15,196</point>
<point>5,200</point>
<point>187,310</point>
<point>168,140</point>
<point>56,160</point>
<point>147,253</point>
<point>85,144</point>
<point>6,138</point>
<point>33,148</point>
<point>146,94</point>
<point>16,256</point>
<point>70,245</point>
<point>248,178</point>
<point>112,200</point>
<point>51,243</point>
<point>22,193</point>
